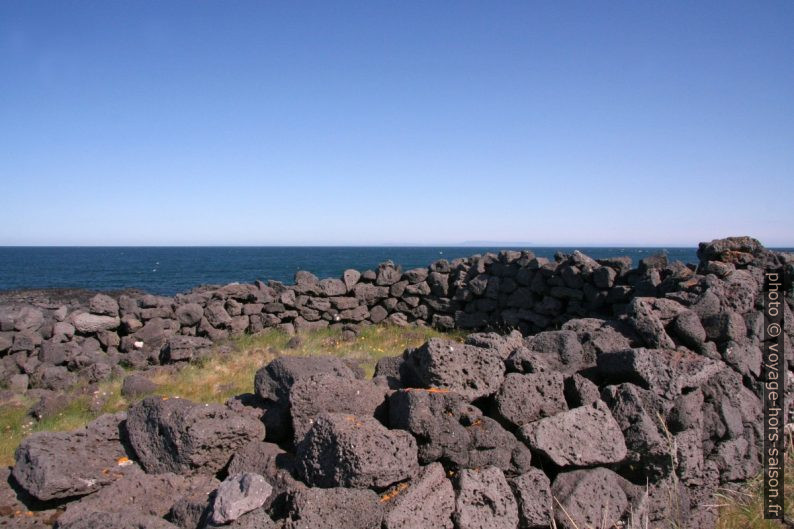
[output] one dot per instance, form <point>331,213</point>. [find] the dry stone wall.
<point>634,419</point>
<point>53,340</point>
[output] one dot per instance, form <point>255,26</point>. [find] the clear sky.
<point>552,123</point>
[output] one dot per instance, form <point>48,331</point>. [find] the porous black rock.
<point>176,435</point>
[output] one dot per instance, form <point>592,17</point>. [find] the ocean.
<point>170,270</point>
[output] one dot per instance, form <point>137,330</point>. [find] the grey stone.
<point>183,348</point>
<point>349,451</point>
<point>91,323</point>
<point>334,508</point>
<point>310,396</point>
<point>275,379</point>
<point>532,491</point>
<point>526,398</point>
<point>467,370</point>
<point>137,493</point>
<point>117,520</point>
<point>450,430</point>
<point>136,385</point>
<point>239,494</point>
<point>583,436</point>
<point>176,435</point>
<point>104,305</point>
<point>189,314</point>
<point>663,371</point>
<point>484,500</point>
<point>42,470</point>
<point>428,500</point>
<point>588,498</point>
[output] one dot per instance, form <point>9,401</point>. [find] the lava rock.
<point>116,520</point>
<point>176,435</point>
<point>587,435</point>
<point>470,371</point>
<point>239,494</point>
<point>136,386</point>
<point>183,348</point>
<point>275,379</point>
<point>137,493</point>
<point>532,491</point>
<point>189,314</point>
<point>103,305</point>
<point>350,451</point>
<point>332,508</point>
<point>92,323</point>
<point>484,500</point>
<point>428,500</point>
<point>666,372</point>
<point>43,470</point>
<point>526,398</point>
<point>588,498</point>
<point>450,430</point>
<point>310,396</point>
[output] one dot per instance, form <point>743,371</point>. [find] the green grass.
<point>227,372</point>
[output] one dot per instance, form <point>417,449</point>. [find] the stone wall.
<point>49,343</point>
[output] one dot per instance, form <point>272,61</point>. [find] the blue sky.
<point>552,123</point>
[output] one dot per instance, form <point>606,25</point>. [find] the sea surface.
<point>169,270</point>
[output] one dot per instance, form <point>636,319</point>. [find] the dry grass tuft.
<point>228,372</point>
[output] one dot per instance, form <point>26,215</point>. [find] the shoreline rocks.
<point>605,417</point>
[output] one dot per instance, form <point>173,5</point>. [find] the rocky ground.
<point>621,420</point>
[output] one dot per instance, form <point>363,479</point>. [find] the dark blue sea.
<point>169,270</point>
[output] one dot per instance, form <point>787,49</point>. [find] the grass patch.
<point>227,372</point>
<point>743,508</point>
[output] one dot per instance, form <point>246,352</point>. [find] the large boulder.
<point>176,435</point>
<point>310,396</point>
<point>583,436</point>
<point>470,371</point>
<point>333,508</point>
<point>275,379</point>
<point>664,371</point>
<point>428,500</point>
<point>527,398</point>
<point>143,494</point>
<point>104,305</point>
<point>450,430</point>
<point>485,500</point>
<point>349,451</point>
<point>95,456</point>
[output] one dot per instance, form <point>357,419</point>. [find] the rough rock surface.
<point>176,435</point>
<point>94,455</point>
<point>484,499</point>
<point>588,435</point>
<point>664,358</point>
<point>428,500</point>
<point>470,371</point>
<point>588,498</point>
<point>239,494</point>
<point>332,508</point>
<point>350,451</point>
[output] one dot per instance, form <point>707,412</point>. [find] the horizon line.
<point>484,244</point>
